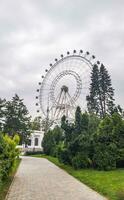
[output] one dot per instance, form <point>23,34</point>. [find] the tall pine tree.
<point>101,98</point>
<point>106,92</point>
<point>93,97</point>
<point>2,112</point>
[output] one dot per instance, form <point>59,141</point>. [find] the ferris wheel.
<point>65,86</point>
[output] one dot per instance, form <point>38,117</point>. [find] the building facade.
<point>34,143</point>
<point>35,140</point>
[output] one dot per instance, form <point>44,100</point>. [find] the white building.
<point>35,142</point>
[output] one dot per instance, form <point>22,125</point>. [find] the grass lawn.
<point>108,183</point>
<point>4,187</point>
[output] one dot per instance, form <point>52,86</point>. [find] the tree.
<point>119,110</point>
<point>51,140</point>
<point>2,112</point>
<point>105,145</point>
<point>106,92</point>
<point>79,146</point>
<point>100,101</point>
<point>93,97</point>
<point>36,124</point>
<point>118,132</point>
<point>17,119</point>
<point>78,118</point>
<point>68,130</point>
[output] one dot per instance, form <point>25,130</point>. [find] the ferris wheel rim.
<point>64,58</point>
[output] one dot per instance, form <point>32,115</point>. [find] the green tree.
<point>105,146</point>
<point>68,130</point>
<point>119,110</point>
<point>118,132</point>
<point>101,98</point>
<point>78,120</point>
<point>17,119</point>
<point>93,97</point>
<point>79,147</point>
<point>106,92</point>
<point>36,124</point>
<point>2,112</point>
<point>51,141</point>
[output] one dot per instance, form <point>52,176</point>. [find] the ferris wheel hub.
<point>64,88</point>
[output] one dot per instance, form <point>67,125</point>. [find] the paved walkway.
<point>39,179</point>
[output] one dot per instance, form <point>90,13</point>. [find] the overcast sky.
<point>34,32</point>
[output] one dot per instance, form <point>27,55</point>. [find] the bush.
<point>51,140</point>
<point>63,155</point>
<point>88,142</point>
<point>81,161</point>
<point>8,154</point>
<point>105,157</point>
<point>120,158</point>
<point>27,153</point>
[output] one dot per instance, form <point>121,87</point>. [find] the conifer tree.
<point>17,119</point>
<point>101,98</point>
<point>36,124</point>
<point>106,92</point>
<point>93,97</point>
<point>78,119</point>
<point>2,111</point>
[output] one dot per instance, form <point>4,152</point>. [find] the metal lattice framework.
<point>65,86</point>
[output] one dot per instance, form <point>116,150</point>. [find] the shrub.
<point>105,157</point>
<point>81,161</point>
<point>63,154</point>
<point>51,140</point>
<point>27,153</point>
<point>120,158</point>
<point>8,154</point>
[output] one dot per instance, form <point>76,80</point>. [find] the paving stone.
<point>39,179</point>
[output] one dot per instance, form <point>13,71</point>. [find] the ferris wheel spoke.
<point>65,86</point>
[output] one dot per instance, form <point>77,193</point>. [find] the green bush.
<point>81,161</point>
<point>105,157</point>
<point>88,142</point>
<point>51,140</point>
<point>8,154</point>
<point>63,155</point>
<point>28,153</point>
<point>120,158</point>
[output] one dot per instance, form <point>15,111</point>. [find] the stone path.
<point>39,179</point>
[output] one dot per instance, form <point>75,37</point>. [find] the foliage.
<point>105,157</point>
<point>28,153</point>
<point>68,129</point>
<point>8,154</point>
<point>63,154</point>
<point>36,124</point>
<point>109,142</point>
<point>100,100</point>
<point>81,160</point>
<point>88,142</point>
<point>17,119</point>
<point>2,111</point>
<point>5,185</point>
<point>50,141</point>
